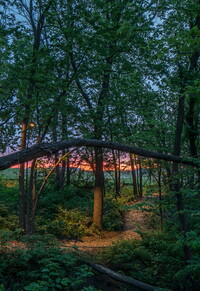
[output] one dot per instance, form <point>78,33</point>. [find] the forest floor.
<point>134,221</point>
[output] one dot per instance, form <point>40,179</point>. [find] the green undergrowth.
<point>68,224</point>
<point>67,214</point>
<point>44,266</point>
<point>113,214</point>
<point>75,223</point>
<point>156,259</point>
<point>8,207</point>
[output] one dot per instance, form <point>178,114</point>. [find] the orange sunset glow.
<point>84,166</point>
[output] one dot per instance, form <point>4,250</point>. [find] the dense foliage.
<point>125,71</point>
<point>43,265</point>
<point>66,214</point>
<point>157,259</point>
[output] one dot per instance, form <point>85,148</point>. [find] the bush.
<point>74,208</point>
<point>112,214</point>
<point>130,258</point>
<point>156,260</point>
<point>8,221</point>
<point>43,266</point>
<point>9,196</point>
<point>69,224</point>
<point>69,198</point>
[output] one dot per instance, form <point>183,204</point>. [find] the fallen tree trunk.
<point>124,279</point>
<point>47,149</point>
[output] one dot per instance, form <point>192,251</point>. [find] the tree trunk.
<point>48,149</point>
<point>56,157</point>
<point>134,178</point>
<point>175,187</point>
<point>63,171</point>
<point>140,178</point>
<point>132,284</point>
<point>65,163</point>
<point>117,173</point>
<point>192,127</point>
<point>68,171</point>
<point>98,189</point>
<point>36,45</point>
<point>192,114</point>
<point>29,203</point>
<point>33,201</point>
<point>137,174</point>
<point>160,198</point>
<point>21,180</point>
<point>31,189</point>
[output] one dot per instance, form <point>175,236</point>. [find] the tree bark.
<point>118,173</point>
<point>64,162</point>
<point>140,178</point>
<point>192,127</point>
<point>21,179</point>
<point>116,163</point>
<point>175,187</point>
<point>124,279</point>
<point>31,189</point>
<point>48,149</point>
<point>68,171</point>
<point>160,198</point>
<point>98,189</point>
<point>37,31</point>
<point>56,157</point>
<point>29,202</point>
<point>34,207</point>
<point>135,189</point>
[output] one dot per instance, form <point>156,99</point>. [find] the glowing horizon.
<point>84,166</point>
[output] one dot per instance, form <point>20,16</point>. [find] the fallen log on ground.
<point>124,279</point>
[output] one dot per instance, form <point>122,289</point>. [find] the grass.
<point>9,174</point>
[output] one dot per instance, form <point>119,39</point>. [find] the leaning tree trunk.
<point>31,189</point>
<point>48,149</point>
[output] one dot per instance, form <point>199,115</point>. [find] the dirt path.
<point>133,220</point>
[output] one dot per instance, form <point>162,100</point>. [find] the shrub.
<point>112,214</point>
<point>156,260</point>
<point>9,196</point>
<point>43,266</point>
<point>8,221</point>
<point>70,198</point>
<point>71,224</point>
<point>129,257</point>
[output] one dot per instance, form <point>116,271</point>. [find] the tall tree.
<point>184,68</point>
<point>104,42</point>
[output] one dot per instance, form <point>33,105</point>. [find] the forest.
<point>99,145</point>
